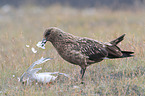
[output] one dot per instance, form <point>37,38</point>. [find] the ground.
<point>25,26</point>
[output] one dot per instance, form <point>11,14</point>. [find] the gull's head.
<point>50,34</point>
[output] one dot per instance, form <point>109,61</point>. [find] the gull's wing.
<point>30,70</point>
<point>93,49</point>
<point>40,61</point>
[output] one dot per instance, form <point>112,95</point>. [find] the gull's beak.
<point>43,42</point>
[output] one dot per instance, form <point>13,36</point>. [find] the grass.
<point>25,25</point>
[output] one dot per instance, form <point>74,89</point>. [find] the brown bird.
<point>83,51</point>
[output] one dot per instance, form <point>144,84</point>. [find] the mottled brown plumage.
<point>83,51</point>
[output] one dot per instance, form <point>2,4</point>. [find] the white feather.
<point>40,45</point>
<point>34,50</point>
<point>27,45</point>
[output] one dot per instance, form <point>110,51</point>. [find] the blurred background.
<point>22,22</point>
<point>77,3</point>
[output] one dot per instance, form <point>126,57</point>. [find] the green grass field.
<point>25,25</point>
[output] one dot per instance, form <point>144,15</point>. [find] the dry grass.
<point>26,25</point>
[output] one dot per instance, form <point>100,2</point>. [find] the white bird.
<point>31,74</point>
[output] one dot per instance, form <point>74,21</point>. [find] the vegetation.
<point>119,77</point>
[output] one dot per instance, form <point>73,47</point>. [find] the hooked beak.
<point>43,42</point>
